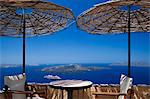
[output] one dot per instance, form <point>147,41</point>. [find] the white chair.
<point>16,85</point>
<point>125,84</point>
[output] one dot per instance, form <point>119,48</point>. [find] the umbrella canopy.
<point>117,16</point>
<point>113,16</point>
<point>21,18</point>
<point>40,17</point>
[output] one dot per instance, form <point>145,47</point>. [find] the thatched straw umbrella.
<point>117,16</point>
<point>26,18</point>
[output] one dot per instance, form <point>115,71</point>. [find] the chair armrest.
<point>24,92</point>
<point>107,93</point>
<point>20,92</point>
<point>8,93</point>
<point>39,92</point>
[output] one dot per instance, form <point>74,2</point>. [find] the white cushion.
<point>125,84</point>
<point>15,77</point>
<point>11,77</point>
<point>20,76</point>
<point>16,84</point>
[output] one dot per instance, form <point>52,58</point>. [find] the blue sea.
<point>140,75</point>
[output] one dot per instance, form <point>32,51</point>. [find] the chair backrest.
<point>16,82</point>
<point>125,84</point>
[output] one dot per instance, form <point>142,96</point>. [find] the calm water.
<point>112,75</point>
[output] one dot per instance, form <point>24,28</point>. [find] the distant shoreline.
<point>108,64</point>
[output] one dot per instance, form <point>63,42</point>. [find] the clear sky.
<point>75,46</point>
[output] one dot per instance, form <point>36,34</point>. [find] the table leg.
<point>83,94</point>
<point>69,92</point>
<point>62,94</point>
<point>78,94</point>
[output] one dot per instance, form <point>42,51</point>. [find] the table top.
<point>70,84</point>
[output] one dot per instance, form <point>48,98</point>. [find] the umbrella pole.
<point>129,49</point>
<point>129,53</point>
<point>24,42</point>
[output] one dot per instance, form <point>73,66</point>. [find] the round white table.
<point>70,85</point>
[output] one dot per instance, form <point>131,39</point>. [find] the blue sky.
<point>75,46</point>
